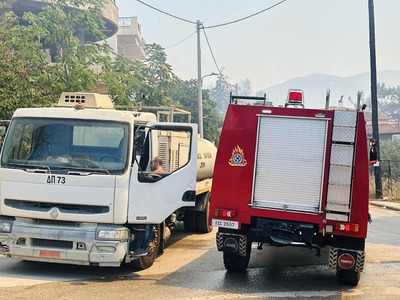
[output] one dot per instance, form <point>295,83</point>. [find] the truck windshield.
<point>66,146</point>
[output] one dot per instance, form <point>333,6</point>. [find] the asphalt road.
<point>192,268</point>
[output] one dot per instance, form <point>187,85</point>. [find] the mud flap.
<point>345,259</point>
<point>235,243</point>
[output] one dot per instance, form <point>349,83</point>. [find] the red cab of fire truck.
<point>292,176</point>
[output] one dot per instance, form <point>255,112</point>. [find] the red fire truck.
<point>292,176</point>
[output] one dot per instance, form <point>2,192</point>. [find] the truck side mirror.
<point>372,151</point>
<point>138,141</point>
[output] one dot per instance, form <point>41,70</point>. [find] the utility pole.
<point>199,79</point>
<point>374,99</point>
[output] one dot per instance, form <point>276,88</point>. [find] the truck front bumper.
<point>65,244</point>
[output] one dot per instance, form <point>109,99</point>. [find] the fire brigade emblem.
<point>237,159</point>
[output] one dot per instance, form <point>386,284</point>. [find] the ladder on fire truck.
<point>341,165</point>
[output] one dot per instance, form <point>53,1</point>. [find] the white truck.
<point>76,188</point>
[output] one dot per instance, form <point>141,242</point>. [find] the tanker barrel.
<point>206,152</point>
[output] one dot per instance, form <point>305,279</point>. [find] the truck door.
<point>153,196</point>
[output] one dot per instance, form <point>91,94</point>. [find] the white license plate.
<point>225,224</point>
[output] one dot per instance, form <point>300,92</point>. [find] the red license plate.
<point>49,253</point>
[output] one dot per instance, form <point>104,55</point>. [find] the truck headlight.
<point>5,227</point>
<point>113,234</point>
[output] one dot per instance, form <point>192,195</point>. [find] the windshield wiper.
<point>86,171</point>
<point>31,168</point>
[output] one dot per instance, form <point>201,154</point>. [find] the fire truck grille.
<point>64,208</point>
<point>52,244</point>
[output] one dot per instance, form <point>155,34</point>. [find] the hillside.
<point>316,85</point>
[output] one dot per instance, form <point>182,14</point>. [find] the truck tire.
<point>348,277</point>
<point>202,217</point>
<point>147,261</point>
<point>235,262</point>
<point>189,221</point>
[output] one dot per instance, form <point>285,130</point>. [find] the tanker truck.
<point>76,187</point>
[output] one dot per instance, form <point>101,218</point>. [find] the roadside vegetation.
<point>389,105</point>
<point>28,78</point>
<point>390,170</point>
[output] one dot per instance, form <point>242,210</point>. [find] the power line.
<point>181,41</point>
<point>213,26</point>
<point>168,14</point>
<point>257,13</point>
<point>212,54</point>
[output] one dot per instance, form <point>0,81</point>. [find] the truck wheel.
<point>202,217</point>
<point>348,277</point>
<point>189,221</point>
<point>147,261</point>
<point>237,263</point>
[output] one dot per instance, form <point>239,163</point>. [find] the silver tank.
<point>206,152</point>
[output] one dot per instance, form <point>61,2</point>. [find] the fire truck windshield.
<point>66,146</point>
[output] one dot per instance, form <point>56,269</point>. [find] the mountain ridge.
<point>316,85</point>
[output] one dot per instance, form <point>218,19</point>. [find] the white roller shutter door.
<point>289,167</point>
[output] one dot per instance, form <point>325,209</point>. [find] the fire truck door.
<point>154,195</point>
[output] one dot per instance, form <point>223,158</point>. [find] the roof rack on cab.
<point>259,100</point>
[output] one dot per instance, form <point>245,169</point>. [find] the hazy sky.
<point>293,39</point>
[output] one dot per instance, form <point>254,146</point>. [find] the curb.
<point>385,206</point>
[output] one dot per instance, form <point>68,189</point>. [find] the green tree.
<point>123,80</point>
<point>156,78</point>
<point>221,93</point>
<point>22,68</point>
<point>243,88</point>
<point>63,31</point>
<point>185,92</point>
<point>389,100</point>
<point>212,120</point>
<point>29,79</point>
<point>390,156</point>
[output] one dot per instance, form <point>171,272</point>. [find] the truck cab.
<point>75,183</point>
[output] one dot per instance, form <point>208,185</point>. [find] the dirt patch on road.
<point>375,253</point>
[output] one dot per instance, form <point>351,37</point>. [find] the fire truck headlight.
<point>5,227</point>
<point>113,235</point>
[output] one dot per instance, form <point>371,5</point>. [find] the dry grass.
<point>390,189</point>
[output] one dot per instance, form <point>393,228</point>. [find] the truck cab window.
<point>67,145</point>
<point>171,147</point>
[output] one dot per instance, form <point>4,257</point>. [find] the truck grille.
<point>52,244</point>
<point>65,208</point>
<point>57,223</point>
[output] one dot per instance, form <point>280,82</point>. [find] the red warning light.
<point>295,97</point>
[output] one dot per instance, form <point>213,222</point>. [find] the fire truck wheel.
<point>202,217</point>
<point>348,277</point>
<point>144,262</point>
<point>235,262</point>
<point>189,221</point>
